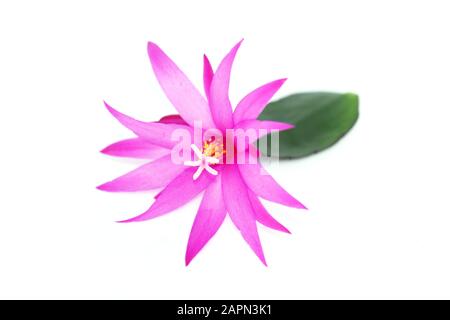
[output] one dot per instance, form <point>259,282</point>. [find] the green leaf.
<point>320,119</point>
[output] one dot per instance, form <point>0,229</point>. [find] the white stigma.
<point>202,163</point>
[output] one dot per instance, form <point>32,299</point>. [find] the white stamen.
<point>211,170</point>
<point>203,163</point>
<point>197,151</point>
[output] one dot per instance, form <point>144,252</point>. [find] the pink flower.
<point>233,188</point>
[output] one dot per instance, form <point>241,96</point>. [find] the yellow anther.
<point>213,149</point>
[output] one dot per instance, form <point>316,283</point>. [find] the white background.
<point>379,218</point>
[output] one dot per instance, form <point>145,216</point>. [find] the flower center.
<point>211,154</point>
<point>213,149</point>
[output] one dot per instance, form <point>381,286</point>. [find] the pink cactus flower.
<point>229,186</point>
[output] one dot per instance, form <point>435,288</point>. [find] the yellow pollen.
<point>213,149</point>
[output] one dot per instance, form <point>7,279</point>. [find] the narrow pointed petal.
<point>156,174</point>
<point>156,133</point>
<point>208,75</point>
<point>173,119</point>
<point>221,109</point>
<point>178,192</point>
<point>209,218</point>
<point>251,106</point>
<point>260,128</point>
<point>178,88</point>
<point>263,216</point>
<point>135,148</point>
<point>240,208</point>
<point>264,186</point>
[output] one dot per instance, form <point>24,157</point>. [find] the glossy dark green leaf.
<point>320,119</point>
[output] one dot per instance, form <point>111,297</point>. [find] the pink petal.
<point>264,186</point>
<point>220,103</point>
<point>178,88</point>
<point>155,133</point>
<point>208,75</point>
<point>240,208</point>
<point>152,175</point>
<point>173,119</point>
<point>261,128</point>
<point>209,218</point>
<point>251,106</point>
<point>263,216</point>
<point>178,192</point>
<point>135,148</point>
